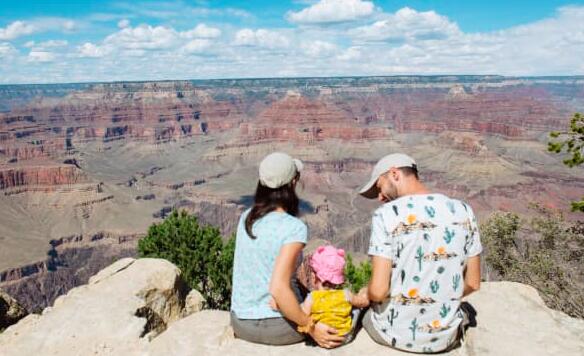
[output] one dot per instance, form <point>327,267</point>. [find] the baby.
<point>329,303</point>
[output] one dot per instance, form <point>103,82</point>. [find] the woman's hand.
<point>325,336</point>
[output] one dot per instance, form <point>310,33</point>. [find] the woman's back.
<point>254,261</point>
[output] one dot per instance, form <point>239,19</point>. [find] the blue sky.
<point>71,41</point>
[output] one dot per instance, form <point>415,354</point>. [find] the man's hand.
<point>325,336</point>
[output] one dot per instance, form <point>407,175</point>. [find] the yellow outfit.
<point>332,308</point>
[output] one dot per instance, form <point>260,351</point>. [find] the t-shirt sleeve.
<point>380,243</point>
<point>473,244</point>
<point>298,232</point>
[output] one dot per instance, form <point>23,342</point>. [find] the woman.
<point>269,244</point>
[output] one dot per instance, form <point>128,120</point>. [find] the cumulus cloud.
<point>202,31</point>
<point>46,44</point>
<point>319,49</point>
<point>90,50</point>
<point>123,23</point>
<point>410,24</point>
<point>16,29</point>
<point>197,46</point>
<point>7,49</point>
<point>331,11</point>
<point>41,56</point>
<point>261,38</point>
<point>143,37</point>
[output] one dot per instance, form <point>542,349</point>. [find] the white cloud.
<point>123,23</point>
<point>331,11</point>
<point>261,38</point>
<point>69,25</point>
<point>41,56</point>
<point>90,50</point>
<point>199,45</point>
<point>144,37</point>
<point>16,29</point>
<point>46,44</point>
<point>408,24</point>
<point>202,31</point>
<point>7,49</point>
<point>318,49</point>
<point>350,54</point>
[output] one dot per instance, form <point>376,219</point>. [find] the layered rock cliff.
<point>142,307</point>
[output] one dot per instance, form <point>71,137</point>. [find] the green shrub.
<point>544,251</point>
<point>357,277</point>
<point>198,250</point>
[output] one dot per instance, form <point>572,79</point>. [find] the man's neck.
<point>414,188</point>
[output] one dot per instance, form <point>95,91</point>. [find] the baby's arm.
<point>359,300</point>
<point>307,304</point>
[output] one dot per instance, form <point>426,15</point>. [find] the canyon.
<point>85,169</point>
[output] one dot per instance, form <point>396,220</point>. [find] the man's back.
<point>428,238</point>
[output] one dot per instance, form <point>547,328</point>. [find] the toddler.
<point>329,303</point>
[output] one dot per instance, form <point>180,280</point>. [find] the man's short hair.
<point>408,171</point>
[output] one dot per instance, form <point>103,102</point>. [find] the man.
<point>424,250</point>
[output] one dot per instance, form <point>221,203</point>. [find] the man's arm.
<point>472,275</point>
<point>380,278</point>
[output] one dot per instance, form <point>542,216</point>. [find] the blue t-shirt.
<point>254,261</point>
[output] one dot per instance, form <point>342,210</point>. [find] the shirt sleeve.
<point>380,243</point>
<point>473,243</point>
<point>297,233</point>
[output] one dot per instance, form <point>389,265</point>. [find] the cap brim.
<point>370,190</point>
<point>299,165</point>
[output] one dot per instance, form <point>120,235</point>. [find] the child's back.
<point>332,307</point>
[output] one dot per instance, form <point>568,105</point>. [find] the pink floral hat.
<point>328,263</point>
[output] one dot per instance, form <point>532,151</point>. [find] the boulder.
<point>10,310</point>
<point>117,313</point>
<point>141,307</point>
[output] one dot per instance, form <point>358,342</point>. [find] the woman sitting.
<point>269,244</point>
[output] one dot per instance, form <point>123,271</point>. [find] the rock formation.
<point>10,310</point>
<point>137,307</point>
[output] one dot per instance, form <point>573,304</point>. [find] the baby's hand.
<point>361,300</point>
<point>273,303</point>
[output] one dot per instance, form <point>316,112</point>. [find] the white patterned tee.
<point>428,238</point>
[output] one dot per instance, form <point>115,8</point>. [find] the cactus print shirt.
<point>428,238</point>
<point>254,261</point>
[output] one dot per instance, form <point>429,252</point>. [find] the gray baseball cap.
<point>278,169</point>
<point>396,160</point>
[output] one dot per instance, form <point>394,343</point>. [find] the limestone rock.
<point>512,320</point>
<point>10,310</point>
<point>193,303</point>
<point>116,314</point>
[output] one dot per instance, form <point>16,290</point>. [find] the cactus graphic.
<point>440,269</point>
<point>430,197</point>
<point>395,210</point>
<point>410,205</point>
<point>416,279</point>
<point>430,211</point>
<point>392,316</point>
<point>419,257</point>
<point>448,235</point>
<point>456,281</point>
<point>465,207</point>
<point>450,206</point>
<point>426,236</point>
<point>400,248</point>
<point>444,310</point>
<point>403,275</point>
<point>427,350</point>
<point>413,328</point>
<point>393,342</point>
<point>434,286</point>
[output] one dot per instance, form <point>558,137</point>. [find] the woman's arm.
<point>280,287</point>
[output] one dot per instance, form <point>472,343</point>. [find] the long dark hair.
<point>267,200</point>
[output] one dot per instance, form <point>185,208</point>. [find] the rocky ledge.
<point>142,307</point>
